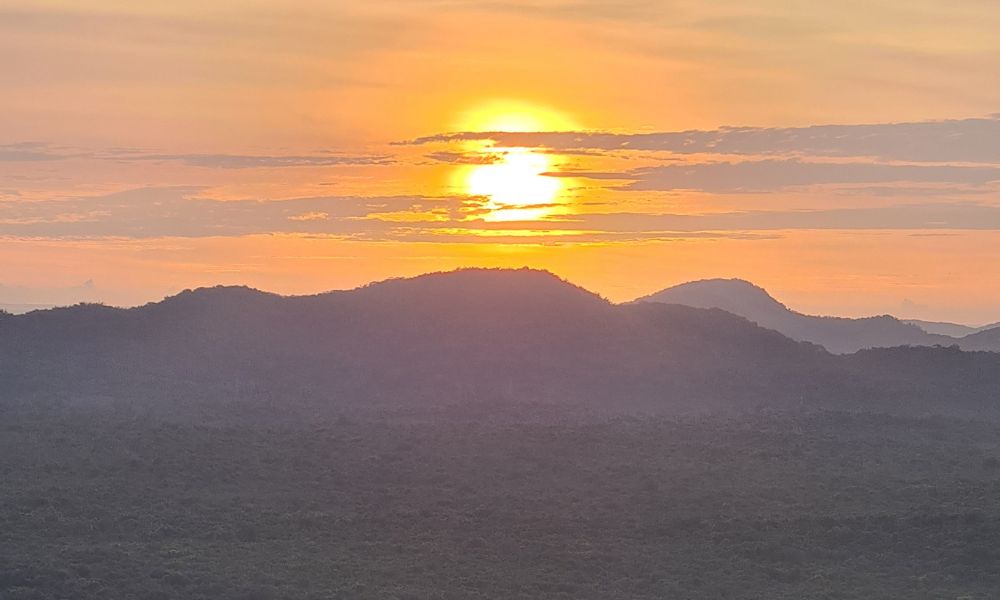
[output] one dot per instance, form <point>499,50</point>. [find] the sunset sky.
<point>844,155</point>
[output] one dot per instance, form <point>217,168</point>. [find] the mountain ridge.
<point>485,341</point>
<point>841,335</point>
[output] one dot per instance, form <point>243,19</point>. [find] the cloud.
<point>580,10</point>
<point>773,175</point>
<point>963,140</point>
<point>896,190</point>
<point>248,161</point>
<point>31,152</point>
<point>464,158</point>
<point>310,216</point>
<point>750,225</point>
<point>924,216</point>
<point>37,151</point>
<point>179,212</point>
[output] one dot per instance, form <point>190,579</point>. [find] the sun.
<point>516,185</point>
<point>515,182</point>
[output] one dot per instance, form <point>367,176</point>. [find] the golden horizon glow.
<point>685,142</point>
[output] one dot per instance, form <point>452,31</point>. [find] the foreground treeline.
<point>780,507</point>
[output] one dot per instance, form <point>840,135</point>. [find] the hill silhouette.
<point>987,339</point>
<point>836,334</point>
<point>473,342</point>
<point>955,330</point>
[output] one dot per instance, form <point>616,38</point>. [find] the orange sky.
<point>300,146</point>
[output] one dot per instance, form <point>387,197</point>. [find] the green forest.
<point>831,505</point>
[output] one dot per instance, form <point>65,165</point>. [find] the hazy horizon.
<point>89,292</point>
<point>845,157</point>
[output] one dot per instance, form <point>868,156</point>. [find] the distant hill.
<point>950,329</point>
<point>836,334</point>
<point>954,330</point>
<point>984,339</point>
<point>23,308</point>
<point>481,343</point>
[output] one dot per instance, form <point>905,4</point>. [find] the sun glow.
<point>514,115</point>
<point>515,183</point>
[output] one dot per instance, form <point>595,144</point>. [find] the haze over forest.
<point>499,299</point>
<point>487,433</point>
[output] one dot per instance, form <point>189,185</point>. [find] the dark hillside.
<point>467,341</point>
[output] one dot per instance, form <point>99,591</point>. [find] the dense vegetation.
<point>831,506</point>
<point>484,434</point>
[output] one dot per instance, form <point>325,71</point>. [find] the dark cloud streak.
<point>964,140</point>
<point>31,151</point>
<point>775,175</point>
<point>176,212</point>
<point>245,161</point>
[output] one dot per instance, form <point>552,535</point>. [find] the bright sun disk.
<point>515,184</point>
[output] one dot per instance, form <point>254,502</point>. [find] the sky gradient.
<point>845,156</point>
